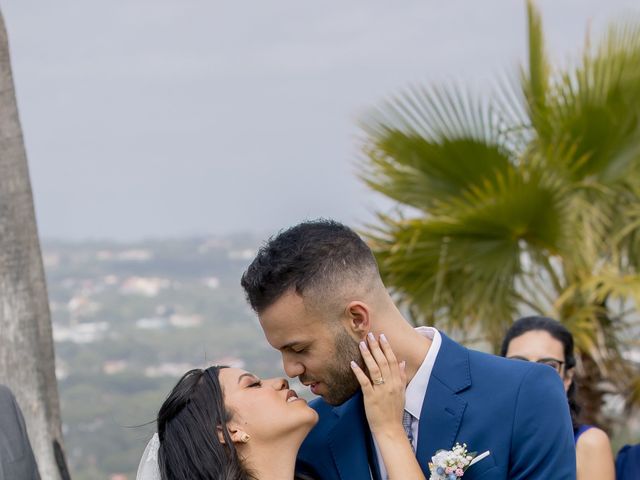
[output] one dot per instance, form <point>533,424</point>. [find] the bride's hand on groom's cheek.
<point>384,392</point>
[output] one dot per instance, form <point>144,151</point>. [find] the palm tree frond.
<point>525,200</point>
<point>596,107</point>
<point>536,80</point>
<point>426,146</point>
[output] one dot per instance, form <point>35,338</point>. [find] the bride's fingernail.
<point>371,337</point>
<point>383,338</point>
<point>363,346</point>
<point>353,364</point>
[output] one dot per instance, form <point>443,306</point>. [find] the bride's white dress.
<point>148,468</point>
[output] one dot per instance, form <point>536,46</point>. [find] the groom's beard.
<point>339,378</point>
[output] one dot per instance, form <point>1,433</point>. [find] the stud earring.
<point>245,437</point>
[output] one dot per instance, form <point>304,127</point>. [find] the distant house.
<point>245,254</point>
<point>129,255</point>
<point>152,323</point>
<point>112,367</point>
<point>185,321</point>
<point>145,286</point>
<point>88,332</point>
<point>168,370</point>
<point>81,305</point>
<point>62,369</point>
<point>51,259</point>
<point>134,255</point>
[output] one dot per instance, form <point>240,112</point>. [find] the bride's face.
<point>265,409</point>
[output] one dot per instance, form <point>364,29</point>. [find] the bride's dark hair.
<point>188,424</point>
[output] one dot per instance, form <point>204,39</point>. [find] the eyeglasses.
<point>551,362</point>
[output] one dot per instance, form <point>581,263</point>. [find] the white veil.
<point>148,468</point>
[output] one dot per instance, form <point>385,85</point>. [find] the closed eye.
<point>300,348</point>
<point>256,384</point>
<point>296,347</point>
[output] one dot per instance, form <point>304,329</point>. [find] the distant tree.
<point>27,363</point>
<point>527,200</point>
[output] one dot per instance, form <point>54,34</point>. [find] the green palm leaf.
<point>426,146</point>
<point>596,108</point>
<point>461,262</point>
<point>525,200</point>
<point>535,83</point>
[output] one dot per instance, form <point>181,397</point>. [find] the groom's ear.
<point>358,318</point>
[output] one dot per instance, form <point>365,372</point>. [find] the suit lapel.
<point>442,409</point>
<point>348,440</point>
<point>440,417</point>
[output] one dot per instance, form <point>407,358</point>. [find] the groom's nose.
<point>292,368</point>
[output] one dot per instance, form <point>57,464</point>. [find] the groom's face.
<point>316,349</point>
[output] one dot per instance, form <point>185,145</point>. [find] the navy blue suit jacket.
<point>517,410</point>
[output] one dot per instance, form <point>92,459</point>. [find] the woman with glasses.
<point>547,341</point>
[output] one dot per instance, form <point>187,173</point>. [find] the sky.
<point>169,118</point>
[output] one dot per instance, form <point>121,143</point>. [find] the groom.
<point>317,292</point>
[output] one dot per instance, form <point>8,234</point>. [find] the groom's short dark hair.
<point>315,254</point>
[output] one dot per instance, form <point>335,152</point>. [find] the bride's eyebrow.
<point>247,375</point>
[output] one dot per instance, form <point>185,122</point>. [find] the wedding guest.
<point>16,457</point>
<point>628,463</point>
<point>547,341</point>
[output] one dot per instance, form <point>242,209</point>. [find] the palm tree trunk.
<point>27,362</point>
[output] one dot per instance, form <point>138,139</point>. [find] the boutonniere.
<point>451,464</point>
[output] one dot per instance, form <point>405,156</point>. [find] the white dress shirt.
<point>417,389</point>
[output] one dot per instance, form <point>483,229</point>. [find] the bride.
<point>225,423</point>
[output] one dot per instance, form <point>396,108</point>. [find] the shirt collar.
<point>417,387</point>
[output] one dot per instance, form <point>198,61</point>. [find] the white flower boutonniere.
<point>451,464</point>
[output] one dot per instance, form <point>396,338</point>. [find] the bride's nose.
<point>281,384</point>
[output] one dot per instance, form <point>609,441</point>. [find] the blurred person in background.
<point>547,341</point>
<point>17,461</point>
<point>628,463</point>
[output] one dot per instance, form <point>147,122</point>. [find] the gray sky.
<point>175,117</point>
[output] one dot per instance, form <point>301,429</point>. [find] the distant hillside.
<point>128,321</point>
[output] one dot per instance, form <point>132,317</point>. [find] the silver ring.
<point>378,381</point>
